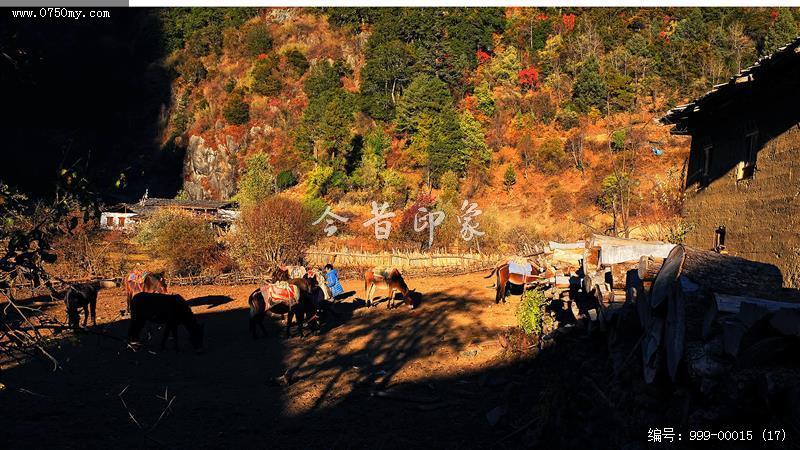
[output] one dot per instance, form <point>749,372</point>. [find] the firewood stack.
<point>608,263</point>
<point>704,313</point>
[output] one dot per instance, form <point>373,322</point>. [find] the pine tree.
<point>783,31</point>
<point>510,177</point>
<point>590,89</point>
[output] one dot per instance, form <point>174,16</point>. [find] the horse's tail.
<point>257,304</point>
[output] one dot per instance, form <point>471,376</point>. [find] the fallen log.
<point>619,273</point>
<point>649,267</point>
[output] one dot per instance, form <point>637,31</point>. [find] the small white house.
<point>113,220</point>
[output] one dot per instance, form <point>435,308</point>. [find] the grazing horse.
<point>83,295</point>
<point>169,309</point>
<point>136,282</point>
<point>386,279</point>
<point>505,276</point>
<point>292,298</point>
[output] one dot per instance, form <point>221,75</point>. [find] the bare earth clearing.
<point>432,361</point>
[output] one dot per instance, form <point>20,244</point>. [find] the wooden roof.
<point>766,67</point>
<point>150,204</point>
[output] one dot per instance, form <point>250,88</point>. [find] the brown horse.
<point>386,279</point>
<point>152,282</point>
<point>295,299</point>
<point>504,277</point>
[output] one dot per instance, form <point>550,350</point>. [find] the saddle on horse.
<point>136,281</point>
<point>281,292</point>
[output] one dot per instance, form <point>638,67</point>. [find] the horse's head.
<point>160,281</point>
<point>280,274</point>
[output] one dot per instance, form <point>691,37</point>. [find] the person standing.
<point>332,280</point>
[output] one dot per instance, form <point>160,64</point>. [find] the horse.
<point>319,277</point>
<point>280,273</point>
<point>83,295</point>
<point>152,282</point>
<point>169,309</point>
<point>387,279</point>
<point>505,276</point>
<point>293,298</point>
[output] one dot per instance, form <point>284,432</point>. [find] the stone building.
<point>743,175</point>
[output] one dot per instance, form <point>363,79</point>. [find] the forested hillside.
<point>543,116</point>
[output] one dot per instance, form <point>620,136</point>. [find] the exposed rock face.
<point>209,171</point>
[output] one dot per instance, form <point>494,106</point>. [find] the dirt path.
<point>375,378</point>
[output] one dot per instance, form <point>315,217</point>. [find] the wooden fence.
<point>405,261</point>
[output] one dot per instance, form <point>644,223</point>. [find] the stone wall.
<point>761,213</point>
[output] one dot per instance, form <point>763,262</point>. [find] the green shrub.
<point>265,79</point>
<point>550,157</point>
<point>324,178</point>
<point>230,85</point>
<point>618,139</point>
<point>236,110</point>
<point>297,61</point>
<point>510,177</point>
<point>531,314</point>
<point>258,181</point>
<point>286,179</point>
<point>568,119</point>
<point>257,41</point>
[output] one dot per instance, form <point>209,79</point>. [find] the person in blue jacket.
<point>332,280</point>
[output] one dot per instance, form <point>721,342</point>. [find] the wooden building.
<point>125,216</point>
<point>743,174</point>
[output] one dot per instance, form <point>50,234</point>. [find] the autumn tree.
<point>276,230</point>
<point>184,240</point>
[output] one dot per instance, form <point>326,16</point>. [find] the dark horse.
<point>83,295</point>
<point>137,282</point>
<point>169,309</point>
<point>296,301</point>
<point>504,277</point>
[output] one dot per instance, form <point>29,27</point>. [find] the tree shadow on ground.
<point>367,385</point>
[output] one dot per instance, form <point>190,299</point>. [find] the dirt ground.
<point>373,378</point>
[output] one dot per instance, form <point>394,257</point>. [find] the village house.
<point>125,216</point>
<point>743,175</point>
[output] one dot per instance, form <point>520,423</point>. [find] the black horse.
<point>169,309</point>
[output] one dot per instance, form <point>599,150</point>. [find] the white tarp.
<point>566,245</point>
<point>615,254</point>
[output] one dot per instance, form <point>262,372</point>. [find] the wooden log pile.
<point>704,313</point>
<point>608,263</point>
